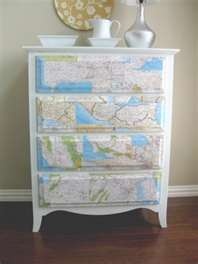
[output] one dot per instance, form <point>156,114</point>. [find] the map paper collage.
<point>98,74</point>
<point>62,153</point>
<point>99,113</point>
<point>99,188</point>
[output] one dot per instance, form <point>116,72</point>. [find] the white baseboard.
<point>15,195</point>
<point>25,195</point>
<point>183,191</point>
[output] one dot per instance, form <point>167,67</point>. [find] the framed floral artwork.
<point>76,13</point>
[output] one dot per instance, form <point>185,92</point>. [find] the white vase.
<point>140,35</point>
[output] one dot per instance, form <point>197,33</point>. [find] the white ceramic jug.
<point>102,28</point>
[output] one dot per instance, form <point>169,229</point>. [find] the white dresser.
<point>100,129</point>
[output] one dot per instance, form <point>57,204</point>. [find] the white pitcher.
<point>102,28</point>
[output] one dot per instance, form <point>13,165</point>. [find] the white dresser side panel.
<point>168,88</point>
<point>37,212</point>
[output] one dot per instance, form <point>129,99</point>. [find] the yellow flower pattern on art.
<point>76,13</point>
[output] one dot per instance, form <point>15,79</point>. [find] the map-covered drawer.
<point>98,152</point>
<point>98,73</point>
<point>92,113</point>
<point>99,188</point>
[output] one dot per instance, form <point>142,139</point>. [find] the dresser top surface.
<point>117,50</point>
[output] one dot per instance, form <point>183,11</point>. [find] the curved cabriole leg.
<point>37,219</point>
<point>163,218</point>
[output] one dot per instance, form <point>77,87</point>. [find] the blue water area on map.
<point>44,179</point>
<point>88,151</point>
<point>140,140</point>
<point>126,59</point>
<point>111,99</point>
<point>42,163</point>
<point>62,87</point>
<point>83,117</point>
<point>133,101</point>
<point>140,190</point>
<point>74,87</point>
<point>159,114</point>
<point>154,64</point>
<point>51,123</point>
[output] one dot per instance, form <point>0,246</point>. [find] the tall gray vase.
<point>140,35</point>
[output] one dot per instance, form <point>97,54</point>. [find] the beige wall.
<point>196,92</point>
<point>20,22</point>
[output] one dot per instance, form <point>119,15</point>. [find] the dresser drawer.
<point>98,73</point>
<point>61,153</point>
<point>99,188</point>
<point>93,113</point>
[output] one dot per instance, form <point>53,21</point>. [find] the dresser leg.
<point>162,218</point>
<point>37,219</point>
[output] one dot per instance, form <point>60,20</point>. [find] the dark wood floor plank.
<point>120,239</point>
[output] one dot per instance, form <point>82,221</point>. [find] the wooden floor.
<point>121,239</point>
